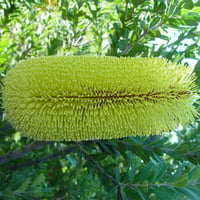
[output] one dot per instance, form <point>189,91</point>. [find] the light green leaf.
<point>181,181</point>
<point>195,174</point>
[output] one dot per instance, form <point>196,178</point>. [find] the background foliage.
<point>142,168</point>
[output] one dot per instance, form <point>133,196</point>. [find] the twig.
<point>100,169</point>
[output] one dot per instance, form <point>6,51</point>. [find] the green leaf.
<point>191,21</point>
<point>123,194</point>
<point>155,21</point>
<point>181,181</point>
<point>72,160</point>
<point>164,193</point>
<point>25,185</point>
<point>146,172</point>
<point>38,180</point>
<point>131,172</point>
<point>138,49</point>
<point>152,196</point>
<point>2,60</point>
<point>117,174</point>
<point>159,171</point>
<point>4,42</point>
<point>189,4</point>
<point>182,149</point>
<point>197,4</point>
<point>8,195</point>
<point>197,71</point>
<point>190,192</point>
<point>141,194</point>
<point>35,192</point>
<point>195,174</point>
<point>145,186</point>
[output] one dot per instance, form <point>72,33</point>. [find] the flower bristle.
<point>90,97</point>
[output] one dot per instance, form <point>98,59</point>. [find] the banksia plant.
<point>85,97</point>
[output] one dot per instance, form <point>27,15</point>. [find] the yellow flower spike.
<point>88,97</point>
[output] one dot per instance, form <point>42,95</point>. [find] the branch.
<point>129,46</point>
<point>47,158</point>
<point>157,184</point>
<point>150,29</point>
<point>22,152</point>
<point>43,159</point>
<point>5,127</point>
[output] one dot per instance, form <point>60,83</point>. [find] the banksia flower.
<point>85,97</point>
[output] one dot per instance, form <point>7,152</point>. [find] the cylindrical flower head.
<point>88,97</point>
